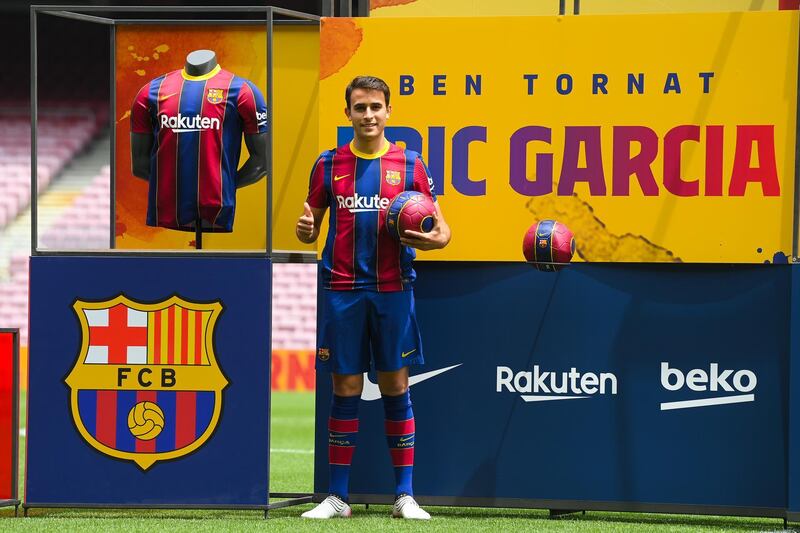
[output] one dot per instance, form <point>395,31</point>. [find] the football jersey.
<point>197,123</point>
<point>359,252</point>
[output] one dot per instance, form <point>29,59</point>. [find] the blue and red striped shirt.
<point>197,123</point>
<point>359,252</point>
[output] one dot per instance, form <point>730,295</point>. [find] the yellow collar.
<point>206,76</point>
<point>376,155</point>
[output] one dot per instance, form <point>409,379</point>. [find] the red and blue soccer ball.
<point>410,210</point>
<point>548,245</point>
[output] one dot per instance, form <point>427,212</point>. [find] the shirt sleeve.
<point>252,109</point>
<point>422,178</point>
<point>317,195</point>
<point>140,112</point>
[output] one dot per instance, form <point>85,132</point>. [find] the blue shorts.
<point>360,328</point>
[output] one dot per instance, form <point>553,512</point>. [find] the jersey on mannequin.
<point>186,134</point>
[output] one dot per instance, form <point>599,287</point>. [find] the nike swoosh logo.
<point>406,354</point>
<point>405,439</point>
<point>371,391</point>
<point>332,436</point>
<point>337,178</point>
<point>162,98</point>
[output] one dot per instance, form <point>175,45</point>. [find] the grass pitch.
<point>291,470</point>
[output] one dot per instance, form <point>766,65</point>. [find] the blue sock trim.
<point>398,407</point>
<point>345,407</point>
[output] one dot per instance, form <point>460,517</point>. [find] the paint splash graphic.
<point>598,243</point>
<point>156,55</point>
<point>338,42</point>
<point>778,258</point>
<point>377,4</point>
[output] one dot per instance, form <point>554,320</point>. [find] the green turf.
<point>292,471</point>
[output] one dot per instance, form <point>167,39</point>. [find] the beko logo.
<point>184,124</point>
<point>547,385</point>
<point>741,382</point>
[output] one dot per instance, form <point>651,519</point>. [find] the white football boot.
<point>331,507</point>
<point>406,507</point>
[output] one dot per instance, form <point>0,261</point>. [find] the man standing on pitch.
<point>368,302</point>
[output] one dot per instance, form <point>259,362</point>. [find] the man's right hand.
<point>305,225</point>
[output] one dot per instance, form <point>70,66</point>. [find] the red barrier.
<point>9,415</point>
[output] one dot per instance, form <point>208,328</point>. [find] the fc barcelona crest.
<point>215,96</point>
<point>146,385</point>
<point>393,177</point>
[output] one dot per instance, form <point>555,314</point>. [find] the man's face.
<point>368,113</point>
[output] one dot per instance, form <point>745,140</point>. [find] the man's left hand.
<point>433,240</point>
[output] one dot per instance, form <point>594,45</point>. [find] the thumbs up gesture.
<point>305,225</point>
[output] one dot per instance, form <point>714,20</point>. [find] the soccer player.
<point>368,302</point>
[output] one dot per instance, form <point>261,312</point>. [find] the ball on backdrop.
<point>548,245</point>
<point>145,420</point>
<point>409,210</point>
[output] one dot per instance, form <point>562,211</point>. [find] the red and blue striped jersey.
<point>197,123</point>
<point>359,252</point>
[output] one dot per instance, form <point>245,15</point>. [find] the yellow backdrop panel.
<point>649,146</point>
<point>496,8</point>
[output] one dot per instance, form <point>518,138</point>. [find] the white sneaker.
<point>406,507</point>
<point>331,507</point>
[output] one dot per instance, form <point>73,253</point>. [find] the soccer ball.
<point>548,245</point>
<point>410,210</point>
<point>145,420</point>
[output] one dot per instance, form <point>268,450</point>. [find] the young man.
<point>368,302</point>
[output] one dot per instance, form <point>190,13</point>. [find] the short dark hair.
<point>370,83</point>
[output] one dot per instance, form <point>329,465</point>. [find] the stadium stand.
<point>62,137</point>
<point>85,224</point>
<point>294,306</point>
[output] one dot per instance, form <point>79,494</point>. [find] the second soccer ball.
<point>548,245</point>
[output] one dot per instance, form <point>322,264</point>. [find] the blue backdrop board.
<point>794,400</point>
<point>149,382</point>
<point>598,387</point>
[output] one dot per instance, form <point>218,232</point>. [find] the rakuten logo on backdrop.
<point>541,386</point>
<point>729,386</point>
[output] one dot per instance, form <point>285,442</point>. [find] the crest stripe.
<point>205,410</point>
<point>151,343</point>
<point>198,338</point>
<point>171,336</point>
<point>106,417</point>
<point>190,336</point>
<point>164,336</point>
<point>125,439</point>
<point>156,317</point>
<point>184,335</point>
<point>87,405</point>
<point>165,442</point>
<point>177,332</point>
<point>185,418</point>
